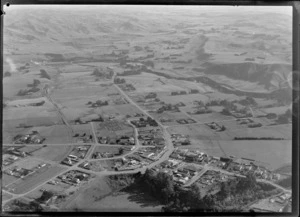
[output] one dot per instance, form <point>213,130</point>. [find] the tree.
<point>223,128</point>
<point>271,115</point>
<point>282,119</point>
<point>288,113</point>
<point>225,111</point>
<point>7,74</point>
<point>36,82</point>
<point>121,151</point>
<point>44,74</point>
<point>97,72</point>
<point>195,197</point>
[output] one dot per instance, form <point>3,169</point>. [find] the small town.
<point>148,108</point>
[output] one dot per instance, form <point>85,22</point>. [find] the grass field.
<point>186,99</point>
<point>211,117</point>
<point>99,197</point>
<point>119,111</point>
<point>172,116</point>
<point>6,196</point>
<point>32,181</point>
<point>56,134</point>
<point>31,149</point>
<point>54,153</point>
<point>28,163</point>
<point>277,131</point>
<point>146,82</point>
<point>195,131</point>
<point>97,189</point>
<point>273,153</point>
<point>7,179</point>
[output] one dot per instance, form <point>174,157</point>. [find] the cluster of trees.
<point>33,88</point>
<point>149,120</point>
<point>151,95</point>
<point>26,66</point>
<point>33,206</point>
<point>284,118</point>
<point>286,183</point>
<point>117,182</point>
<point>98,103</point>
<point>35,83</point>
<point>98,73</point>
<point>236,193</point>
<point>174,93</point>
<point>119,81</point>
<point>26,92</point>
<point>162,187</point>
<point>44,74</point>
<point>247,101</point>
<point>7,74</point>
<point>168,107</point>
<point>194,91</point>
<point>232,195</point>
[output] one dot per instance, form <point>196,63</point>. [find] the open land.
<point>87,103</point>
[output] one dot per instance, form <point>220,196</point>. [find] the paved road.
<point>60,113</point>
<point>169,144</point>
<point>165,156</point>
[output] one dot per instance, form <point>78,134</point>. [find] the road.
<point>207,167</point>
<point>167,136</point>
<point>60,113</point>
<point>165,156</point>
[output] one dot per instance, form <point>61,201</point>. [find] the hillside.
<point>272,76</point>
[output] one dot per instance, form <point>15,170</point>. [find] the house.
<point>191,157</point>
<point>191,169</point>
<point>184,171</point>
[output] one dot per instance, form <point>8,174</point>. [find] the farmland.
<point>53,153</point>
<point>119,93</point>
<point>21,186</point>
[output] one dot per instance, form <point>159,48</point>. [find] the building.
<point>191,157</point>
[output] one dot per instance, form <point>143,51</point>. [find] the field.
<point>53,153</point>
<point>118,111</point>
<point>102,165</point>
<point>98,188</point>
<point>110,149</point>
<point>56,134</point>
<point>170,117</point>
<point>273,153</point>
<point>113,129</point>
<point>99,197</point>
<point>28,163</point>
<point>166,49</point>
<point>7,179</point>
<point>187,99</point>
<point>6,196</point>
<point>211,117</point>
<point>31,149</point>
<point>194,131</point>
<point>32,181</point>
<point>276,131</point>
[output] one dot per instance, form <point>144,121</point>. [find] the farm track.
<point>165,156</point>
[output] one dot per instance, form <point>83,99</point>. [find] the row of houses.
<point>152,137</point>
<point>31,138</point>
<point>180,139</point>
<point>74,177</point>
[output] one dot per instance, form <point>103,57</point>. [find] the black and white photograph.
<point>147,108</point>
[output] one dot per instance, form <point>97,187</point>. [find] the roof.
<point>191,167</point>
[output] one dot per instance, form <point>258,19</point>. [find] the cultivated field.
<point>53,153</point>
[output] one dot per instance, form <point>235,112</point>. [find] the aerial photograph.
<point>147,108</point>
